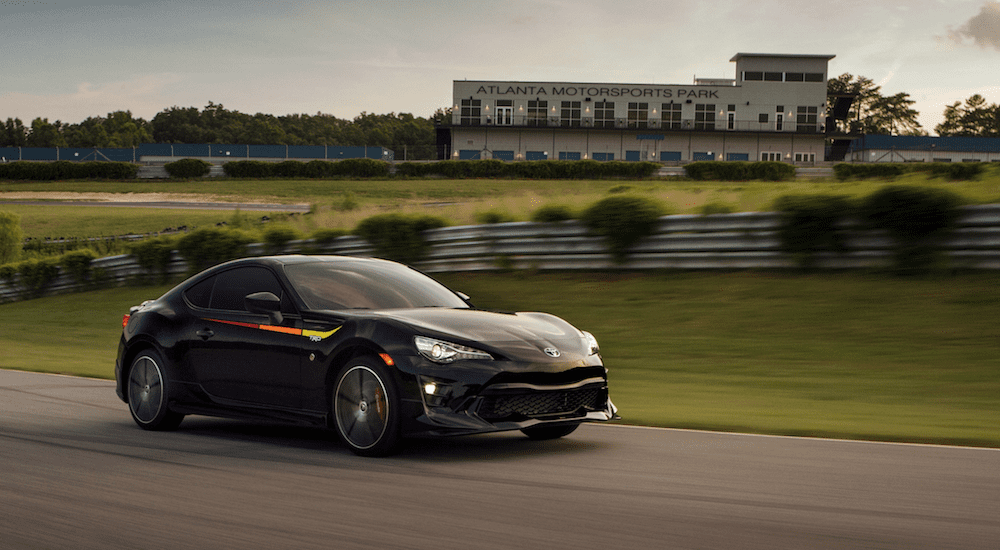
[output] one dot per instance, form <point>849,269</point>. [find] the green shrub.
<point>363,168</point>
<point>204,248</point>
<point>623,221</point>
<point>277,237</point>
<point>916,218</point>
<point>188,168</point>
<point>845,171</point>
<point>11,237</point>
<point>154,255</point>
<point>319,169</point>
<point>398,236</point>
<point>494,216</point>
<point>37,274</point>
<point>347,203</point>
<point>8,272</point>
<point>739,171</point>
<point>809,225</point>
<point>248,169</point>
<point>64,170</point>
<point>716,208</point>
<point>289,169</point>
<point>326,236</point>
<point>553,213</point>
<point>77,264</point>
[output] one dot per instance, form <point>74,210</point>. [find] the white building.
<point>773,110</point>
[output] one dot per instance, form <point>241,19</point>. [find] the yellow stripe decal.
<point>314,335</point>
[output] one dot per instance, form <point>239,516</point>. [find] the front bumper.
<point>518,405</point>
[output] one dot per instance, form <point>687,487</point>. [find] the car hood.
<point>519,336</point>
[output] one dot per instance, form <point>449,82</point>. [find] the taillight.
<point>125,320</point>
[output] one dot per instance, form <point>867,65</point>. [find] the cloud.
<point>983,29</point>
<point>144,96</point>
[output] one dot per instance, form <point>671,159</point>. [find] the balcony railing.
<point>621,123</point>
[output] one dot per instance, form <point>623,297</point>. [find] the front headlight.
<point>440,351</point>
<point>592,342</point>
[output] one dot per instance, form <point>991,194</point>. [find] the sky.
<point>68,61</point>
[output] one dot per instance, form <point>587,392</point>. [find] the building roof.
<point>739,56</point>
<point>927,143</point>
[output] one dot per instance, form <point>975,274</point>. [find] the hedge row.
<point>950,170</point>
<point>534,169</point>
<point>739,171</point>
<point>66,170</point>
<point>347,168</point>
<point>916,218</point>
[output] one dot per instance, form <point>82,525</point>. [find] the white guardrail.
<point>713,242</point>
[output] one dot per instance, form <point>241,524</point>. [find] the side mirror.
<point>265,303</point>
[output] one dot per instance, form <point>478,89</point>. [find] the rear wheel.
<point>148,394</point>
<point>549,432</point>
<point>366,407</point>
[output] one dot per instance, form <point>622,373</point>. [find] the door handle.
<point>205,333</point>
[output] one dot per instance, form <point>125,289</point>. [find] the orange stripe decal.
<point>311,334</point>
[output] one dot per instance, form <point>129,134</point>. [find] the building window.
<point>806,118</point>
<point>604,114</point>
<point>771,156</point>
<point>814,77</point>
<point>471,112</point>
<point>779,118</point>
<point>638,115</point>
<point>704,116</point>
<point>505,112</point>
<point>570,114</point>
<point>762,118</point>
<point>670,116</point>
<point>537,112</point>
<point>805,157</point>
<point>772,77</point>
<point>731,117</point>
<point>753,75</point>
<point>794,77</point>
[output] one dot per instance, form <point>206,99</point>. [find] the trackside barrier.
<point>714,242</point>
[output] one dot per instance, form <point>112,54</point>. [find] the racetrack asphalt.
<point>78,473</point>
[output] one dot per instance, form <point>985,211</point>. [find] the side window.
<point>232,286</point>
<point>200,295</point>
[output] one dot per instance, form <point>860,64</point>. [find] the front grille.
<point>542,403</point>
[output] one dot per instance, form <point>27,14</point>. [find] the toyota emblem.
<point>552,352</point>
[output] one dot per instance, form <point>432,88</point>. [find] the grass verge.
<point>832,355</point>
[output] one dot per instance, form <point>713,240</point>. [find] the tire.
<point>148,394</point>
<point>540,433</point>
<point>365,405</point>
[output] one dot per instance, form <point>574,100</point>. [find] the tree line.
<point>414,137</point>
<point>405,134</point>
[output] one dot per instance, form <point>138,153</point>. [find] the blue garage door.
<point>468,154</point>
<point>536,155</point>
<point>563,155</point>
<point>669,156</point>
<point>503,155</point>
<point>633,156</point>
<point>703,156</point>
<point>737,156</point>
<point>604,156</point>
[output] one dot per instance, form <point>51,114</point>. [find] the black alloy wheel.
<point>366,407</point>
<point>148,394</point>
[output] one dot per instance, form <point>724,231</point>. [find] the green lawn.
<point>840,355</point>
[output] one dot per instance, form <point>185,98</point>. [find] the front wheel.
<point>366,407</point>
<point>539,433</point>
<point>147,394</point>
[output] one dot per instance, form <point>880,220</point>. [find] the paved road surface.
<point>75,472</point>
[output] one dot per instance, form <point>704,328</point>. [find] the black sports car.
<point>371,348</point>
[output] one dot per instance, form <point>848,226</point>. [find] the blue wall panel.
<point>9,154</point>
<point>267,151</point>
<point>306,151</point>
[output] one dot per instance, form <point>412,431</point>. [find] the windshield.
<point>368,285</point>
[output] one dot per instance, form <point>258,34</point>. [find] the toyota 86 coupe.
<point>372,349</point>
